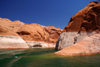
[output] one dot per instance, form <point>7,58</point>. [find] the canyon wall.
<point>82,34</point>
<point>36,32</point>
<point>12,32</point>
<point>82,24</point>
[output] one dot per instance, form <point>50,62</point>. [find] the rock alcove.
<point>37,45</point>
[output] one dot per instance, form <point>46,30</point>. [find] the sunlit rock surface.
<point>8,27</point>
<point>36,32</point>
<point>87,19</point>
<point>88,46</point>
<point>12,42</point>
<point>28,32</point>
<point>84,23</point>
<point>65,39</point>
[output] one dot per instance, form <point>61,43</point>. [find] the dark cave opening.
<point>37,45</point>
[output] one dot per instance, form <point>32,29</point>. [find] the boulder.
<point>88,46</point>
<point>65,39</point>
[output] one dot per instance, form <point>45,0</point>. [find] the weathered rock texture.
<point>28,32</point>
<point>87,19</point>
<point>9,39</point>
<point>33,44</point>
<point>87,46</point>
<point>36,32</point>
<point>53,33</point>
<point>82,24</point>
<point>65,39</point>
<point>12,42</point>
<point>8,27</point>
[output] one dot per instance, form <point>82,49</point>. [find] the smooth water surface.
<point>39,57</point>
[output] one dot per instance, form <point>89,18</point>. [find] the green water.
<point>39,57</point>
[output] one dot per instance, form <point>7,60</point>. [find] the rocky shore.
<point>88,46</point>
<point>82,34</point>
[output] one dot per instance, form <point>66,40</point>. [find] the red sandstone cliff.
<point>36,32</point>
<point>83,23</point>
<point>29,32</point>
<point>8,27</point>
<point>9,39</point>
<point>82,35</point>
<point>87,19</point>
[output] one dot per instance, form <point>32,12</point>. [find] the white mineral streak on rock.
<point>31,44</point>
<point>65,39</point>
<point>69,38</point>
<point>87,46</point>
<point>12,42</point>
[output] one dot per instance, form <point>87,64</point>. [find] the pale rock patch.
<point>12,42</point>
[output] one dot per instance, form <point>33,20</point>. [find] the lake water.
<point>39,57</point>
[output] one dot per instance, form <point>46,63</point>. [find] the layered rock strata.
<point>82,24</point>
<point>12,42</point>
<point>45,35</point>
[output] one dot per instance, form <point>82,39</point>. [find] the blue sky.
<point>45,12</point>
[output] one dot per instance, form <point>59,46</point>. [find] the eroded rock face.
<point>12,42</point>
<point>87,19</point>
<point>65,39</point>
<point>8,27</point>
<point>53,33</point>
<point>40,44</point>
<point>9,39</point>
<point>84,23</point>
<point>88,46</point>
<point>28,32</point>
<point>36,32</point>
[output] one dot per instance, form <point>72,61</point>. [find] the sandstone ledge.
<point>12,42</point>
<point>88,46</point>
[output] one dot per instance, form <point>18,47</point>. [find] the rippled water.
<point>39,57</point>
